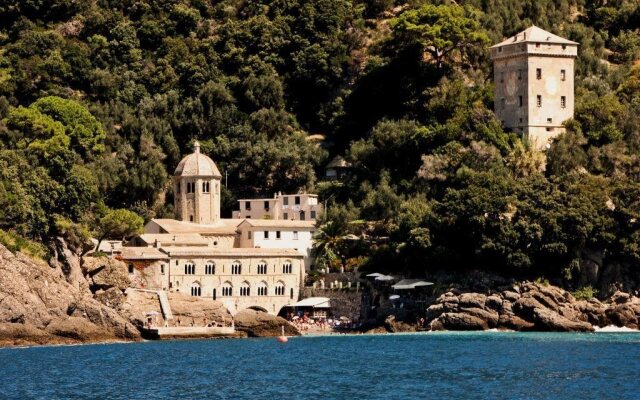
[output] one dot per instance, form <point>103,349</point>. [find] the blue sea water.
<point>486,365</point>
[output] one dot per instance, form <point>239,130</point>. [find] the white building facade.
<point>292,207</point>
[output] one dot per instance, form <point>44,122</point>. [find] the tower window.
<point>247,205</point>
<point>563,75</point>
<point>131,268</point>
<point>266,205</point>
<point>190,218</point>
<point>206,187</point>
<point>313,214</point>
<point>266,234</point>
<point>285,216</point>
<point>162,269</point>
<point>521,101</point>
<point>295,235</point>
<point>285,201</point>
<point>539,101</point>
<point>178,188</point>
<point>564,47</point>
<point>277,234</point>
<point>563,102</point>
<point>537,44</point>
<point>191,187</point>
<point>297,200</point>
<point>519,74</point>
<point>549,120</point>
<point>248,234</point>
<point>538,73</point>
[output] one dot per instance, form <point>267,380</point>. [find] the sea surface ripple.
<point>423,366</point>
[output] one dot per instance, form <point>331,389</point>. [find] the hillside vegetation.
<point>100,99</point>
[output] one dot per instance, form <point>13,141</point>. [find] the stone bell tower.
<point>534,84</point>
<point>196,185</point>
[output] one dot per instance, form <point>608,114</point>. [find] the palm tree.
<point>327,241</point>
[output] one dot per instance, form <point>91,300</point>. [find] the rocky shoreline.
<point>69,302</point>
<point>525,307</point>
<point>532,307</point>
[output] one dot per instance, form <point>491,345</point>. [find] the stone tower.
<point>196,185</point>
<point>534,84</point>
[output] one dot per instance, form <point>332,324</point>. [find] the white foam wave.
<point>615,329</point>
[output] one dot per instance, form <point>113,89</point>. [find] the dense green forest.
<point>100,99</point>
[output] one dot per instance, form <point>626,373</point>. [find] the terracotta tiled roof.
<point>279,223</point>
<point>142,253</point>
<point>230,252</point>
<point>534,34</point>
<point>223,227</point>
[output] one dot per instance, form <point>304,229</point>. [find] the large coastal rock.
<point>38,305</point>
<point>261,324</point>
<point>531,307</point>
<point>392,325</point>
<point>186,310</point>
<point>105,273</point>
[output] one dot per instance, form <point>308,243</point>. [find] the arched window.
<point>245,289</point>
<point>262,268</point>
<point>196,290</point>
<point>236,268</point>
<point>189,268</point>
<point>262,288</point>
<point>280,288</point>
<point>287,268</point>
<point>227,289</point>
<point>210,268</point>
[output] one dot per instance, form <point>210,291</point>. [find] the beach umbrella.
<point>151,313</point>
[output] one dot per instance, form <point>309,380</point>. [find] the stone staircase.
<point>164,304</point>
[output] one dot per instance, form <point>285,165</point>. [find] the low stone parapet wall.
<point>189,332</point>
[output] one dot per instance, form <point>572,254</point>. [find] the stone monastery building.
<point>534,84</point>
<point>244,263</point>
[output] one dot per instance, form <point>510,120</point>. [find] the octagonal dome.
<point>197,164</point>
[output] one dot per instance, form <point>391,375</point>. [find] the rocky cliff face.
<point>43,304</point>
<point>531,307</point>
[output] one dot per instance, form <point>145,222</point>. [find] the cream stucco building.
<point>301,207</point>
<point>244,263</point>
<point>534,84</point>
